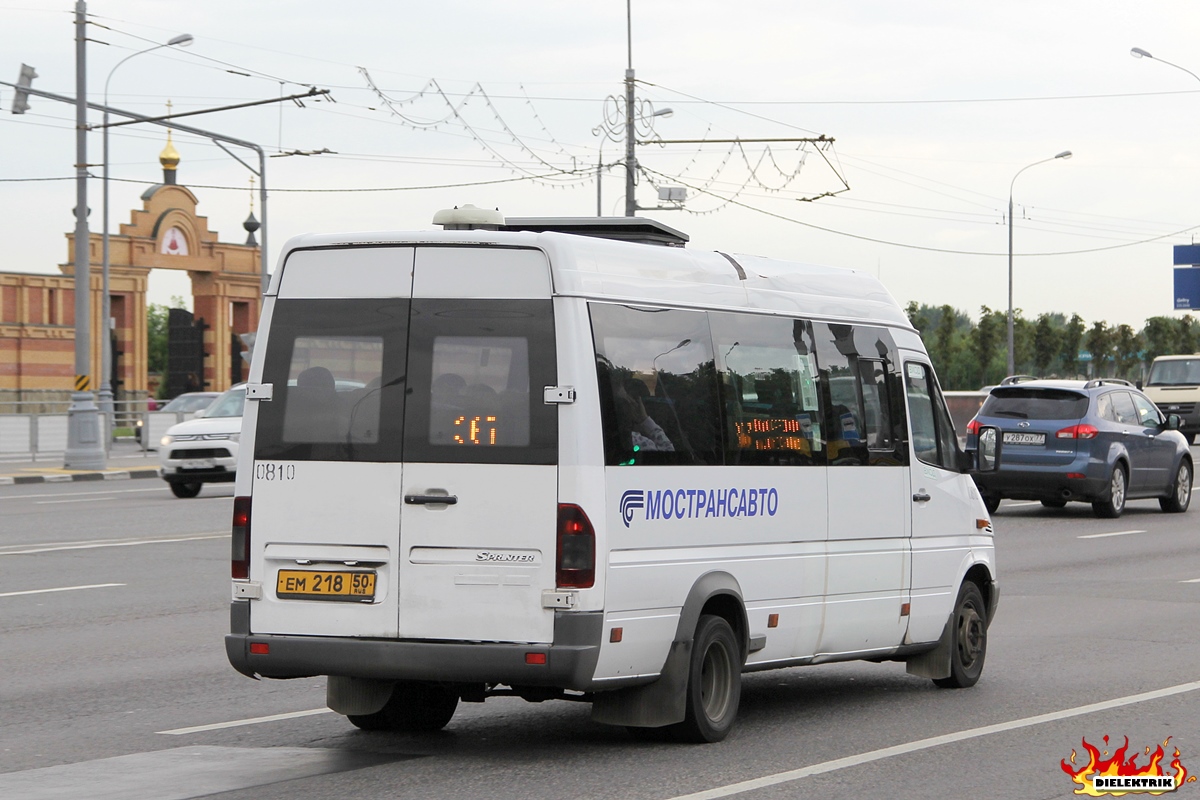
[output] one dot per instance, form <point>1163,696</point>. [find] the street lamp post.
<point>1138,52</point>
<point>106,388</point>
<point>1064,154</point>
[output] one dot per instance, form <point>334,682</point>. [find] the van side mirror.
<point>1138,384</point>
<point>987,453</point>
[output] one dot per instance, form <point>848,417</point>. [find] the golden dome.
<point>169,157</point>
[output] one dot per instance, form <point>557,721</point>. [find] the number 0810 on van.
<point>573,459</point>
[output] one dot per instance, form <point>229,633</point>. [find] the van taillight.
<point>240,555</point>
<point>575,566</point>
<point>1083,431</point>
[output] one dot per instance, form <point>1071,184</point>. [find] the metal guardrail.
<point>44,434</point>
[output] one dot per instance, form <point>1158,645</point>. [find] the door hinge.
<point>259,391</point>
<point>556,599</point>
<point>558,395</point>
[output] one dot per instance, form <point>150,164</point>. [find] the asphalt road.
<point>114,683</point>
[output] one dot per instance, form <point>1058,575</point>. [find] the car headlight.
<point>234,437</point>
<point>166,440</point>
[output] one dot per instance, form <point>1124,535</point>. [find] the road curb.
<point>113,475</point>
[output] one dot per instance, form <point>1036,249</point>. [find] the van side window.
<point>767,370</point>
<point>855,362</point>
<point>658,388</point>
<point>933,437</point>
<point>476,370</point>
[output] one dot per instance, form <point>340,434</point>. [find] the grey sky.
<point>934,107</point>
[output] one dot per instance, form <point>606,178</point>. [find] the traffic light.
<point>24,81</point>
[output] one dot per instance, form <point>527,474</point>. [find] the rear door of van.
<point>405,468</point>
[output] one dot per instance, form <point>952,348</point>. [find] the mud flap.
<point>935,663</point>
<point>358,696</point>
<point>654,705</point>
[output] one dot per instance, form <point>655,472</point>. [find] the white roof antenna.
<point>469,218</point>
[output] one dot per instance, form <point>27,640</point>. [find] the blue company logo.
<point>697,503</point>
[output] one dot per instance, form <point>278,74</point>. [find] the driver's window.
<point>933,436</point>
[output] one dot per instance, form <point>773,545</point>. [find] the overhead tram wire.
<point>928,249</point>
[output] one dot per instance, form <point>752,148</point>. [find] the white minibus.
<point>572,459</point>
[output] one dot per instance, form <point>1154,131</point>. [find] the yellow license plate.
<point>325,585</point>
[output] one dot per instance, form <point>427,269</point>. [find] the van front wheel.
<point>414,707</point>
<point>714,685</point>
<point>968,639</point>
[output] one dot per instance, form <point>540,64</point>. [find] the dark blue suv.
<point>1101,442</point>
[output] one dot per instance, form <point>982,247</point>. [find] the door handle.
<point>921,497</point>
<point>430,499</point>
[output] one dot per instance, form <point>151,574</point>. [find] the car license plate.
<point>322,585</point>
<point>198,463</point>
<point>1012,437</point>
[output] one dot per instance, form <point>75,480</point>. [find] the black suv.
<point>1101,442</point>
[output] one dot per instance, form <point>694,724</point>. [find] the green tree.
<point>1161,337</point>
<point>1072,340</point>
<point>1045,345</point>
<point>156,335</point>
<point>917,316</point>
<point>1128,352</point>
<point>1188,340</point>
<point>1100,342</point>
<point>987,342</point>
<point>1023,351</point>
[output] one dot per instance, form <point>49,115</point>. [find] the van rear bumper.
<point>570,659</point>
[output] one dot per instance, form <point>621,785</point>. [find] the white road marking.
<point>1105,535</point>
<point>1193,580</point>
<point>216,726</point>
<point>31,549</point>
<point>58,502</point>
<point>1017,505</point>
<point>162,488</point>
<point>935,741</point>
<point>62,589</point>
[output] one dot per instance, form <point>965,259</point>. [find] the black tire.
<point>1118,485</point>
<point>968,643</point>
<point>1054,503</point>
<point>414,707</point>
<point>185,490</point>
<point>1181,490</point>
<point>991,502</point>
<point>714,686</point>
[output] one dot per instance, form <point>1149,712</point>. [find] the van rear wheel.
<point>185,490</point>
<point>714,686</point>
<point>414,707</point>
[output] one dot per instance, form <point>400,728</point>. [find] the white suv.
<point>204,449</point>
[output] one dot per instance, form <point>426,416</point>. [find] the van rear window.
<point>427,380</point>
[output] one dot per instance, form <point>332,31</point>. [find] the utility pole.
<point>85,449</point>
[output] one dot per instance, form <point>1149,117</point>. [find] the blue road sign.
<point>1187,287</point>
<point>1187,255</point>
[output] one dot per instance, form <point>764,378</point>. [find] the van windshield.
<point>1176,372</point>
<point>395,379</point>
